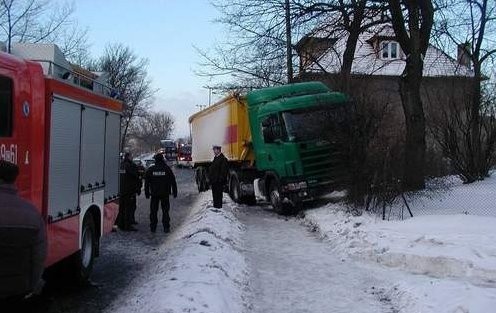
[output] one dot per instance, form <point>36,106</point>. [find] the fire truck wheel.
<point>83,260</point>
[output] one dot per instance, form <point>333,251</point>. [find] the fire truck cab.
<point>59,124</point>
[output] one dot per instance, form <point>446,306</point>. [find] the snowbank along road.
<point>242,259</point>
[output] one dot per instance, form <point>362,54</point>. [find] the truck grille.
<point>320,164</point>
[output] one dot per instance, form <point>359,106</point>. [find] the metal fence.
<point>79,79</point>
<point>447,196</point>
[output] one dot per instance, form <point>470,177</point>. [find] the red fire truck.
<point>184,155</point>
<point>59,124</point>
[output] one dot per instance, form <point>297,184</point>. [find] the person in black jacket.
<point>23,242</point>
<point>217,176</point>
<point>128,188</point>
<point>160,182</point>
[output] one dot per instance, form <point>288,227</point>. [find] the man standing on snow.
<point>217,175</point>
<point>129,182</point>
<point>160,182</point>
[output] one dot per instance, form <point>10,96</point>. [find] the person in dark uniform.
<point>129,182</point>
<point>217,175</point>
<point>139,186</point>
<point>160,182</point>
<point>23,242</point>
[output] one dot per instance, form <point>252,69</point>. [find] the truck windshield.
<point>320,123</point>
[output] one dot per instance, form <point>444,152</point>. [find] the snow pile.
<point>457,246</point>
<point>202,270</point>
<point>455,254</point>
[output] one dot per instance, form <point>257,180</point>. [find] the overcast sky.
<point>164,32</point>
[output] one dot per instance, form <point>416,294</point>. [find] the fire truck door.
<point>65,133</point>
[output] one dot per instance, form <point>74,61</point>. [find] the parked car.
<point>141,167</point>
<point>149,162</point>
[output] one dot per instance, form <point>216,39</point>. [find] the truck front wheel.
<point>276,200</point>
<point>275,197</point>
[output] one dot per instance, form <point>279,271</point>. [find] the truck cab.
<point>294,133</point>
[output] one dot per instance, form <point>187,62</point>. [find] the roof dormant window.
<point>390,50</point>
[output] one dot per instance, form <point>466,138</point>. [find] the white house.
<point>377,53</point>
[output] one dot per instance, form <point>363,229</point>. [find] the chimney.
<point>463,55</point>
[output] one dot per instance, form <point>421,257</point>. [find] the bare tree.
<point>128,77</point>
<point>472,33</point>
<point>39,21</point>
<point>260,52</point>
<point>341,19</point>
<point>453,131</point>
<point>412,22</point>
<point>73,42</point>
<point>152,127</point>
<point>254,52</point>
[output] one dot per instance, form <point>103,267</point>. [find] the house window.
<point>390,50</point>
<point>6,106</point>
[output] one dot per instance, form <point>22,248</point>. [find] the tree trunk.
<point>415,124</point>
<point>351,43</point>
<point>348,56</point>
<point>289,48</point>
<point>475,127</point>
<point>124,134</point>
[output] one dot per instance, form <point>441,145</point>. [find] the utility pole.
<point>209,94</point>
<point>289,50</point>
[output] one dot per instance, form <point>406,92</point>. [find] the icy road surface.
<point>292,270</point>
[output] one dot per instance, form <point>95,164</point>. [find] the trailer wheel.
<point>201,180</point>
<point>82,262</point>
<point>234,191</point>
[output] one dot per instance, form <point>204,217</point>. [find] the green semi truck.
<point>278,140</point>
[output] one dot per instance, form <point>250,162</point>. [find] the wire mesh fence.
<point>446,195</point>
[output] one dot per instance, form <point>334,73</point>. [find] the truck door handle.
<point>269,157</point>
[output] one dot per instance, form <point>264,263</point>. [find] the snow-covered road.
<point>294,271</point>
<point>242,259</point>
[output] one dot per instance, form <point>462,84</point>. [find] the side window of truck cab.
<point>6,106</point>
<point>273,128</point>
